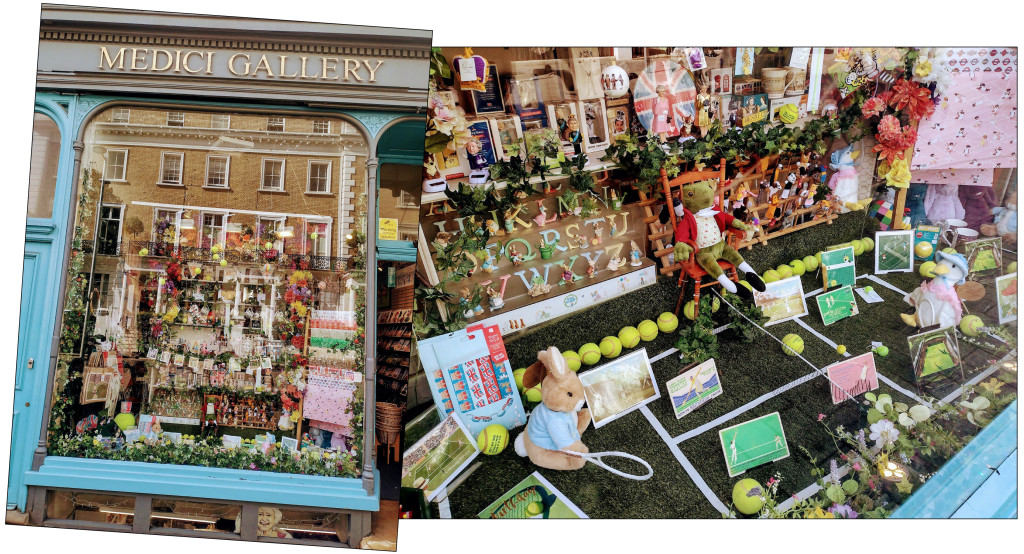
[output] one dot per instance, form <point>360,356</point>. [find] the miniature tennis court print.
<point>894,251</point>
<point>852,377</point>
<point>753,443</point>
<point>837,304</point>
<point>1006,297</point>
<point>935,354</point>
<point>438,457</point>
<point>619,387</point>
<point>983,256</point>
<point>781,300</point>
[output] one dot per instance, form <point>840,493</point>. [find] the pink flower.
<point>856,466</point>
<point>821,417</point>
<point>252,466</point>
<point>772,481</point>
<point>873,106</point>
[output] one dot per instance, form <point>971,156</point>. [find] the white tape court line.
<point>902,390</point>
<point>826,340</point>
<point>887,285</point>
<point>444,508</point>
<point>744,408</point>
<point>809,491</point>
<point>684,461</point>
<point>664,354</point>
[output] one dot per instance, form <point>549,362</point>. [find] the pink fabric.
<point>947,294</point>
<point>962,177</point>
<point>975,124</point>
<point>327,404</point>
<point>942,203</point>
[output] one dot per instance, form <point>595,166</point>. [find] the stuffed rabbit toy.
<point>556,424</point>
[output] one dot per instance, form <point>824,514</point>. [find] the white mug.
<point>950,230</point>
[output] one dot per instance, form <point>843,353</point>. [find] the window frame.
<point>411,204</point>
<point>227,172</point>
<point>317,122</point>
<point>181,169</point>
<point>213,117</point>
<point>309,176</point>
<point>174,122</point>
<point>324,238</point>
<point>116,111</point>
<point>124,165</point>
<point>274,119</point>
<point>223,239</point>
<point>120,225</point>
<point>263,174</point>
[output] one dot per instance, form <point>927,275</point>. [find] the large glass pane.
<point>42,177</point>
<point>209,309</point>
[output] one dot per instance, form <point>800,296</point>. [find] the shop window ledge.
<point>960,479</point>
<point>205,482</point>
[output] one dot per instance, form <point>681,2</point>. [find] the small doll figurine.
<point>704,109</point>
<point>492,227</point>
<point>615,263</point>
<point>591,268</point>
<point>804,164</point>
<point>612,231</point>
<point>634,254</point>
<point>489,265</point>
<point>538,286</point>
<point>567,275</point>
<point>467,303</point>
<point>661,125</point>
<point>514,256</point>
<point>616,202</point>
<point>597,236</point>
<point>510,221</point>
<point>573,135</point>
<point>582,240</point>
<point>495,299</point>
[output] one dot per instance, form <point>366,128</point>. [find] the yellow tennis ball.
<point>810,263</point>
<point>518,376</point>
<point>798,267</point>
<point>770,276</point>
<point>1011,268</point>
<point>611,347</point>
<point>668,322</point>
<point>688,311</point>
<point>533,394</point>
<point>747,495</point>
<point>648,330</point>
<point>784,271</point>
<point>535,508</point>
<point>949,250</point>
<point>590,353</point>
<point>223,263</point>
<point>744,283</point>
<point>817,256</point>
<point>144,252</point>
<point>793,344</point>
<point>493,439</point>
<point>869,244</point>
<point>971,325</point>
<point>788,113</point>
<point>858,247</point>
<point>927,269</point>
<point>629,336</point>
<point>841,349</point>
<point>572,359</point>
<point>923,249</point>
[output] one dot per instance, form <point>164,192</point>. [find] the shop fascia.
<point>238,64</point>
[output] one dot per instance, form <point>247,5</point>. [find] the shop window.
<point>275,124</point>
<point>194,516</point>
<point>273,174</point>
<point>91,507</point>
<point>217,171</point>
<point>108,239</point>
<point>220,121</point>
<point>301,524</point>
<point>171,168</point>
<point>116,166</point>
<point>271,231</point>
<point>42,178</point>
<point>214,228</point>
<point>319,177</point>
<point>120,115</point>
<point>408,200</point>
<point>322,126</point>
<point>175,119</point>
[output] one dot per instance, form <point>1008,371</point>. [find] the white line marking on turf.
<point>744,408</point>
<point>826,340</point>
<point>687,466</point>
<point>444,508</point>
<point>978,378</point>
<point>808,492</point>
<point>817,290</point>
<point>664,354</point>
<point>887,285</point>
<point>902,390</point>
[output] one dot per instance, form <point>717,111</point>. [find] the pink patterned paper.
<point>975,124</point>
<point>972,177</point>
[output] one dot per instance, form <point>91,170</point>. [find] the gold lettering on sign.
<point>280,70</point>
<point>373,70</point>
<point>304,76</point>
<point>135,58</point>
<point>352,66</point>
<point>263,65</point>
<point>105,55</point>
<point>184,62</point>
<point>328,64</point>
<point>156,60</point>
<point>231,64</point>
<point>209,63</point>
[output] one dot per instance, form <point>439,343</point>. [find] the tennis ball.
<point>793,344</point>
<point>810,263</point>
<point>1011,268</point>
<point>841,349</point>
<point>124,421</point>
<point>927,269</point>
<point>144,252</point>
<point>971,325</point>
<point>648,330</point>
<point>629,337</point>
<point>923,249</point>
<point>493,439</point>
<point>748,496</point>
<point>533,394</point>
<point>869,244</point>
<point>817,256</point>
<point>788,113</point>
<point>784,271</point>
<point>858,247</point>
<point>223,263</point>
<point>882,351</point>
<point>573,359</point>
<point>715,304</point>
<point>797,267</point>
<point>611,347</point>
<point>590,353</point>
<point>688,311</point>
<point>770,276</point>
<point>667,322</point>
<point>745,284</point>
<point>518,376</point>
<point>949,250</point>
<point>535,508</point>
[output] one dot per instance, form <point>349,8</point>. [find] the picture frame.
<point>231,441</point>
<point>934,355</point>
<point>894,251</point>
<point>617,117</point>
<point>289,444</point>
<point>836,305</point>
<point>619,387</point>
<point>782,300</point>
<point>763,441</point>
<point>927,234</point>
<point>560,116</point>
<point>852,377</point>
<point>721,81</point>
<point>506,132</point>
<point>695,59</point>
<point>1006,297</point>
<point>490,100</point>
<point>694,387</point>
<point>437,458</point>
<point>744,60</point>
<point>983,256</point>
<point>532,490</point>
<point>526,99</point>
<point>594,124</point>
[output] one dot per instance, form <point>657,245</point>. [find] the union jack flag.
<point>681,94</point>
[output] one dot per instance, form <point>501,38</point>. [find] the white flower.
<point>884,433</point>
<point>906,421</point>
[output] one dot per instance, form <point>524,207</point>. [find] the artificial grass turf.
<point>748,370</point>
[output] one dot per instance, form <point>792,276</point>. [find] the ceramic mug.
<point>955,231</point>
<point>798,81</point>
<point>774,81</point>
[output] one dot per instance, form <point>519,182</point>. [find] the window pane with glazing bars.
<point>114,170</point>
<point>220,121</point>
<point>120,115</point>
<point>217,171</point>
<point>109,234</point>
<point>275,124</point>
<point>176,119</point>
<point>321,126</point>
<point>273,171</point>
<point>171,169</point>
<point>319,176</point>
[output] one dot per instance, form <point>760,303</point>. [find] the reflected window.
<point>217,171</point>
<point>120,115</point>
<point>273,174</point>
<point>275,124</point>
<point>170,168</point>
<point>175,119</point>
<point>42,178</point>
<point>117,164</point>
<point>220,121</point>
<point>321,126</point>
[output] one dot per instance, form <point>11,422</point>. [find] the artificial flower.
<point>904,486</point>
<point>923,67</point>
<point>884,433</point>
<point>992,385</point>
<point>821,417</point>
<point>843,511</point>
<point>913,99</point>
<point>818,513</point>
<point>898,175</point>
<point>872,106</point>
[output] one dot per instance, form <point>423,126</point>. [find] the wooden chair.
<point>694,272</point>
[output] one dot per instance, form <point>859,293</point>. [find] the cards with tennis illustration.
<point>533,498</point>
<point>753,443</point>
<point>694,387</point>
<point>852,376</point>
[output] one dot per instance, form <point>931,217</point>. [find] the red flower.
<point>297,341</point>
<point>914,99</point>
<point>872,106</point>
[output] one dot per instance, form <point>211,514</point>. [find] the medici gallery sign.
<point>543,248</point>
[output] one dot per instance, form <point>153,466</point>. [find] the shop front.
<point>193,351</point>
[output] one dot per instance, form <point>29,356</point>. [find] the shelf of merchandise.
<point>592,166</point>
<point>392,363</point>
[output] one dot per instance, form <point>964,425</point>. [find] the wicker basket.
<point>389,425</point>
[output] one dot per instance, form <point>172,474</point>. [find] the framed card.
<point>437,458</point>
<point>753,443</point>
<point>231,441</point>
<point>267,363</point>
<point>521,501</point>
<point>179,360</point>
<point>983,256</point>
<point>782,300</point>
<point>745,60</point>
<point>695,59</point>
<point>208,364</point>
<point>852,377</point>
<point>289,444</point>
<point>935,354</point>
<point>165,357</point>
<point>693,388</point>
<point>894,251</point>
<point>1006,297</point>
<point>837,304</point>
<point>490,99</point>
<point>619,387</point>
<point>193,363</point>
<point>151,354</point>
